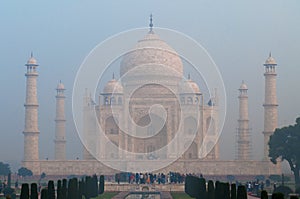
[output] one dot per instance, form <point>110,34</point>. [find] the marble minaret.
<point>31,130</point>
<point>270,104</point>
<point>243,137</point>
<point>60,124</point>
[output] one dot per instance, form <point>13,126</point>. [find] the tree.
<point>284,145</point>
<point>44,193</point>
<point>210,190</point>
<point>4,169</point>
<point>101,184</point>
<point>192,185</point>
<point>33,192</point>
<point>59,190</point>
<point>43,175</point>
<point>73,189</point>
<point>24,191</point>
<point>264,194</point>
<point>233,191</point>
<point>24,172</point>
<point>51,190</point>
<point>64,189</point>
<point>241,192</point>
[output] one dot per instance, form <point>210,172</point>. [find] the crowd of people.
<point>150,178</point>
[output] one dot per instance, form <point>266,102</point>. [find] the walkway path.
<point>251,197</point>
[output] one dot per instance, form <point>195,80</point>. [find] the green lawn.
<point>180,195</point>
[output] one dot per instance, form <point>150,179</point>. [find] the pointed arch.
<point>111,126</point>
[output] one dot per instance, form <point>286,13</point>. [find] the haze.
<point>238,35</point>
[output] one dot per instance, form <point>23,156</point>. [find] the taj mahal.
<point>124,106</point>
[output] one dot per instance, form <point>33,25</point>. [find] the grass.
<point>180,195</point>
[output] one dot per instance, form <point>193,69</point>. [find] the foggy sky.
<point>238,35</point>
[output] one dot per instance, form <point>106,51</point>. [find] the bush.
<point>284,190</point>
<point>59,190</point>
<point>51,190</point>
<point>64,189</point>
<point>297,190</point>
<point>44,193</point>
<point>73,189</point>
<point>24,172</point>
<point>233,191</point>
<point>277,196</point>
<point>33,191</point>
<point>241,192</point>
<point>192,185</point>
<point>211,190</point>
<point>101,185</point>
<point>24,191</point>
<point>8,191</point>
<point>264,194</point>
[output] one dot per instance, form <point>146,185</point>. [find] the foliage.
<point>4,169</point>
<point>80,188</point>
<point>94,186</point>
<point>192,184</point>
<point>8,191</point>
<point>24,191</point>
<point>284,145</point>
<point>101,185</point>
<point>233,191</point>
<point>226,190</point>
<point>64,189</point>
<point>264,194</point>
<point>241,192</point>
<point>51,190</point>
<point>24,172</point>
<point>43,175</point>
<point>33,191</point>
<point>217,190</point>
<point>44,193</point>
<point>73,189</point>
<point>59,190</point>
<point>277,196</point>
<point>210,190</point>
<point>284,190</point>
<point>202,189</point>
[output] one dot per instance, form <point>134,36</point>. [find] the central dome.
<point>155,56</point>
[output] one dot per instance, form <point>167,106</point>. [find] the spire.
<point>189,76</point>
<point>113,75</point>
<point>151,22</point>
<point>31,54</point>
<point>270,54</point>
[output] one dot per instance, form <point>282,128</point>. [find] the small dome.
<point>270,61</point>
<point>243,86</point>
<point>113,86</point>
<point>60,86</point>
<point>189,86</point>
<point>32,61</point>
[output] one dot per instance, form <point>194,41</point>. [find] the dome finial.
<point>113,76</point>
<point>151,22</point>
<point>31,54</point>
<point>189,76</point>
<point>270,54</point>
